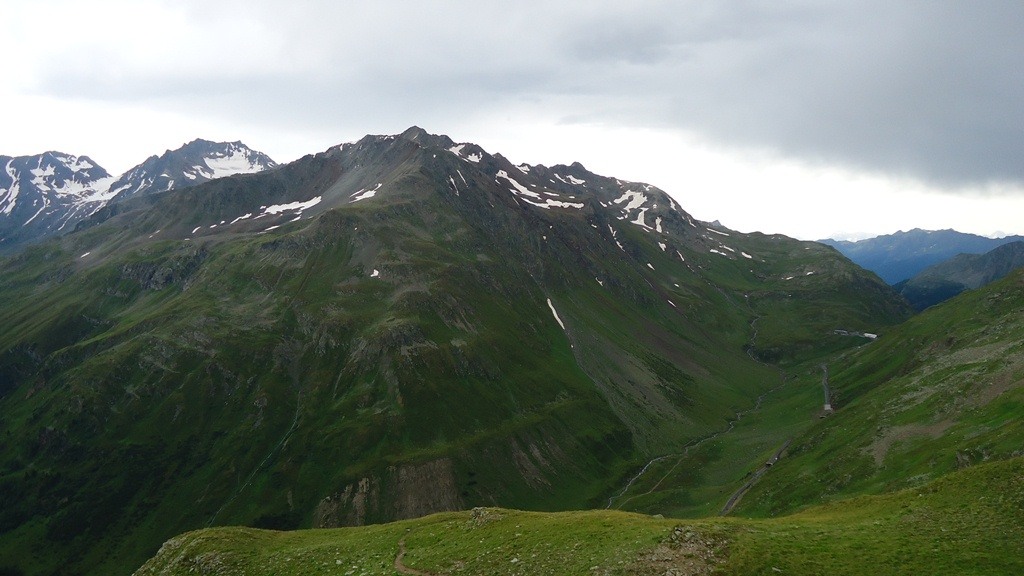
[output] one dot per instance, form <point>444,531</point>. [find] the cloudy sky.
<point>812,119</point>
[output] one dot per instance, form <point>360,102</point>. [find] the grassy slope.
<point>792,323</point>
<point>943,391</point>
<point>296,411</point>
<point>971,521</point>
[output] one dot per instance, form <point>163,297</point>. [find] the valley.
<point>405,337</point>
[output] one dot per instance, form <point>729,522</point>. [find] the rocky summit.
<point>47,194</point>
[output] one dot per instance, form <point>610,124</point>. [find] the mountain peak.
<point>193,163</point>
<point>424,138</point>
<point>45,194</point>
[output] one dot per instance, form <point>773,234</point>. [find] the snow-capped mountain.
<point>47,194</point>
<point>194,163</point>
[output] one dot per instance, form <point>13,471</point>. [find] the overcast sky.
<point>811,119</point>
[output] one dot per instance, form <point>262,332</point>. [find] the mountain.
<point>194,163</point>
<point>899,256</point>
<point>48,194</point>
<point>396,326</point>
<point>942,281</point>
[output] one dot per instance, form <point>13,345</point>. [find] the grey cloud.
<point>930,90</point>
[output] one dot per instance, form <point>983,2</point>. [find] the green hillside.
<point>943,391</point>
<point>946,279</point>
<point>970,521</point>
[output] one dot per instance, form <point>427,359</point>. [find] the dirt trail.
<point>686,450</point>
<point>400,566</point>
<point>697,442</point>
<point>266,459</point>
<point>735,498</point>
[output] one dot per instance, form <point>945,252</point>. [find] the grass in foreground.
<point>969,522</point>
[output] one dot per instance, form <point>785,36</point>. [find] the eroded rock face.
<point>408,491</point>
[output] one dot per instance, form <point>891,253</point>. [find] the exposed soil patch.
<point>880,447</point>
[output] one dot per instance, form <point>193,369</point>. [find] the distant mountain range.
<point>962,272</point>
<point>48,194</point>
<point>899,256</point>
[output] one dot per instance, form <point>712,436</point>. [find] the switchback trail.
<point>732,423</point>
<point>735,498</point>
<point>686,450</point>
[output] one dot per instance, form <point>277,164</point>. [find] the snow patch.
<point>657,224</point>
<point>532,197</point>
<point>747,256</point>
<point>640,219</point>
<point>570,179</point>
<point>84,255</point>
<point>457,150</point>
<point>713,251</point>
<point>364,194</point>
<point>549,203</point>
<point>236,161</point>
<point>10,196</point>
<point>517,187</point>
<point>650,266</point>
<point>663,247</point>
<point>300,206</point>
<point>375,274</point>
<point>555,314</point>
<point>615,237</point>
<point>635,200</point>
<point>717,232</point>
